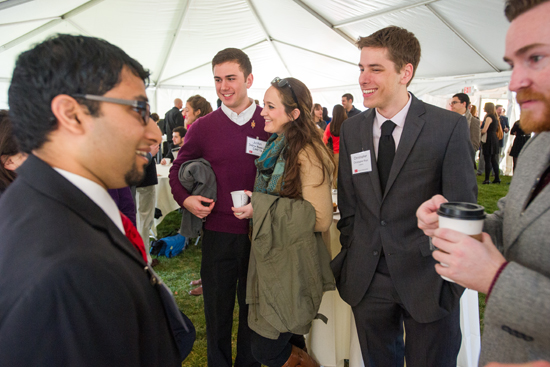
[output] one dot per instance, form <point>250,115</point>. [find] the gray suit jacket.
<point>475,130</point>
<point>517,326</point>
<point>429,160</point>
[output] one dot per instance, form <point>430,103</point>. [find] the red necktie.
<point>133,235</point>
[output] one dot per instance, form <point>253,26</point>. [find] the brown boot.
<point>299,358</point>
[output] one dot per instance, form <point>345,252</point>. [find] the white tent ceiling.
<point>313,40</point>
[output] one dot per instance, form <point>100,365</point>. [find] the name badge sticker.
<point>360,162</point>
<point>254,146</point>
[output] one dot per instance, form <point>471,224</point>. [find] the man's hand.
<point>163,161</point>
<point>194,204</point>
<point>428,220</point>
<point>470,263</point>
<point>528,364</point>
<point>506,129</point>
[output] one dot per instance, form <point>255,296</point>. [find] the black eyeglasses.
<point>140,107</point>
<point>284,83</point>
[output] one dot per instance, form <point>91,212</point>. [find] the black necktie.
<point>386,153</point>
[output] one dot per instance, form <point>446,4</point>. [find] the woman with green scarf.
<point>295,165</point>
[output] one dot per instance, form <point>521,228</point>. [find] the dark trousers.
<point>380,316</point>
<point>491,161</point>
<point>275,352</point>
<point>224,269</point>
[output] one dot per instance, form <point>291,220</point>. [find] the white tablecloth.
<point>163,195</point>
<point>337,340</point>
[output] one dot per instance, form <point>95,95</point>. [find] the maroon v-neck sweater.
<point>221,142</point>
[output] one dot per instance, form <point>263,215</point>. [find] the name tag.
<point>254,146</point>
<point>360,162</point>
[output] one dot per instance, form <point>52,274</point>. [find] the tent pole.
<point>267,36</point>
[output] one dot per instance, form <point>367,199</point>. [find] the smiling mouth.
<point>369,91</point>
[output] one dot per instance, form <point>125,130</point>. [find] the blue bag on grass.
<point>168,246</point>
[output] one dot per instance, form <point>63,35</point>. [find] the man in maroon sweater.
<point>230,138</point>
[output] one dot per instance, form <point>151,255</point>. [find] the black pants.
<point>379,318</point>
<point>491,161</point>
<point>224,269</point>
<point>275,352</point>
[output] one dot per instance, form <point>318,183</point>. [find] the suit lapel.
<point>55,186</point>
<point>532,167</point>
<point>368,144</point>
<point>411,130</point>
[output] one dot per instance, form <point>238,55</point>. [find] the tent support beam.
<point>459,35</point>
<point>267,36</point>
<point>202,65</point>
<point>315,52</point>
<point>48,25</point>
<point>29,21</point>
<point>341,33</point>
<point>174,38</point>
<point>389,10</point>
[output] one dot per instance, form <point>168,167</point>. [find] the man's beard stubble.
<point>528,122</point>
<point>133,177</point>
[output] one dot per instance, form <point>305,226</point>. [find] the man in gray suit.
<point>460,104</point>
<point>393,157</point>
<point>510,265</point>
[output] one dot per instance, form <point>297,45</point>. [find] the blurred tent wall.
<point>313,40</point>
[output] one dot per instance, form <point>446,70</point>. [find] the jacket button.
<point>375,253</point>
<point>383,223</point>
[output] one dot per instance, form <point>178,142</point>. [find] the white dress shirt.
<point>97,194</point>
<point>398,120</point>
<point>243,117</point>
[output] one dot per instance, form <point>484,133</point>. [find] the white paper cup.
<point>168,160</point>
<point>240,199</point>
<point>466,218</point>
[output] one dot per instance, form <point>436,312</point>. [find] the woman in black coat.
<point>490,147</point>
<point>519,142</point>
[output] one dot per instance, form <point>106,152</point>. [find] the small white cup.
<point>240,199</point>
<point>168,160</point>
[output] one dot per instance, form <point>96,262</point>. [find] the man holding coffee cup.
<point>510,264</point>
<point>394,157</point>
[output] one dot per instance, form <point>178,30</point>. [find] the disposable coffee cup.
<point>240,199</point>
<point>168,160</point>
<point>466,218</point>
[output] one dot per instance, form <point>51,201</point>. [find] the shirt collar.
<point>96,193</point>
<point>398,119</point>
<point>243,117</point>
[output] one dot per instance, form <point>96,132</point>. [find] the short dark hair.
<point>348,96</point>
<point>514,8</point>
<point>8,147</point>
<point>155,117</point>
<point>234,55</point>
<point>463,97</point>
<point>498,105</point>
<point>180,130</point>
<point>403,47</point>
<point>62,64</point>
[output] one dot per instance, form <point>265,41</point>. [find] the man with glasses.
<point>230,139</point>
<point>75,290</point>
<point>460,104</point>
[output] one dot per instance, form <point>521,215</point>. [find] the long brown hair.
<point>489,107</point>
<point>299,134</point>
<point>316,106</point>
<point>339,115</point>
<point>8,147</point>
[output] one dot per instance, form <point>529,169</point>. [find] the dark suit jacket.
<point>429,160</point>
<point>172,119</point>
<point>74,290</point>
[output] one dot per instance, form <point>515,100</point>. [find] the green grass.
<point>178,272</point>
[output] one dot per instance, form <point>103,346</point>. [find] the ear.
<point>295,114</point>
<point>197,112</point>
<point>249,80</point>
<point>13,161</point>
<point>407,73</point>
<point>69,113</point>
